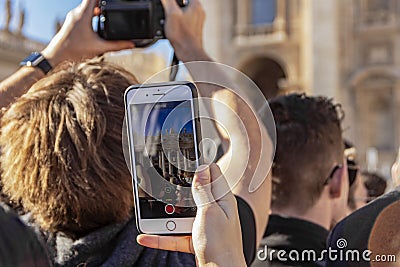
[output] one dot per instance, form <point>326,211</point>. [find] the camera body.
<point>141,21</point>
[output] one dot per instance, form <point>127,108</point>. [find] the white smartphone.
<point>164,136</point>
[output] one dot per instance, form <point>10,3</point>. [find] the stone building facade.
<point>345,49</point>
<point>13,45</point>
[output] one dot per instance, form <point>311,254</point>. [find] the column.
<point>280,19</point>
<point>321,47</point>
<point>163,163</point>
<point>178,159</point>
<point>185,161</point>
<point>170,168</point>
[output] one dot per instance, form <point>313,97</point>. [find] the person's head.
<point>374,183</point>
<point>396,170</point>
<point>357,197</point>
<point>350,154</point>
<point>358,194</point>
<point>61,146</point>
<point>309,152</point>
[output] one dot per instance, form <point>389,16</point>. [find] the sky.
<point>159,119</point>
<point>41,17</point>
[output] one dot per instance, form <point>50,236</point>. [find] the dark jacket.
<point>113,245</point>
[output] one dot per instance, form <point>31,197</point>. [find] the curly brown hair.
<point>61,147</point>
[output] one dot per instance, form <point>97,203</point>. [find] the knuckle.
<point>201,9</point>
<point>69,16</point>
<point>73,15</point>
<point>203,13</point>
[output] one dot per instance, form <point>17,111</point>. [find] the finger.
<point>221,191</point>
<point>88,5</point>
<point>170,7</point>
<point>220,187</point>
<point>201,188</point>
<point>194,5</point>
<point>88,8</point>
<point>171,243</point>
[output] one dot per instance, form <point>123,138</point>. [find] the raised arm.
<point>250,149</point>
<point>75,41</point>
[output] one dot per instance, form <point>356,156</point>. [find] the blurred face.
<point>396,170</point>
<point>360,193</point>
<point>339,210</point>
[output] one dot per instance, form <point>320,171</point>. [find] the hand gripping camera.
<point>141,21</point>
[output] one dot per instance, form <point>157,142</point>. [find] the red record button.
<point>169,209</point>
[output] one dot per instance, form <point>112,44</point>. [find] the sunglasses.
<point>338,166</point>
<point>352,170</point>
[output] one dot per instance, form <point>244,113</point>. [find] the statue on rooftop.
<point>8,15</point>
<point>59,24</point>
<point>21,22</point>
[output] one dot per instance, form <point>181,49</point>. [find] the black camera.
<point>141,21</point>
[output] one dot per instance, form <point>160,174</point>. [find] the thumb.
<point>87,8</point>
<point>222,192</point>
<point>170,6</point>
<point>201,188</point>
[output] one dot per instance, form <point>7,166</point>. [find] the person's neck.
<point>319,213</point>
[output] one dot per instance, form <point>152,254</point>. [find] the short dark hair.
<point>375,184</point>
<point>309,142</point>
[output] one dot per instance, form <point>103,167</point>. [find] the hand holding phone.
<point>216,231</point>
<point>164,136</point>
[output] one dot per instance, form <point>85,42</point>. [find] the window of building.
<point>382,119</point>
<point>263,12</point>
<point>266,74</point>
<point>374,6</point>
<point>377,12</point>
<point>376,108</point>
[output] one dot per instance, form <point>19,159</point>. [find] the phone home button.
<point>171,225</point>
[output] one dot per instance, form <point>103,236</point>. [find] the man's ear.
<point>336,183</point>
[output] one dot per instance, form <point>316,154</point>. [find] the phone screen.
<point>166,157</point>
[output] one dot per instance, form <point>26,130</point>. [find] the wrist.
<point>188,51</point>
<point>34,74</point>
<point>225,259</point>
<point>38,61</point>
<point>232,261</point>
<point>53,58</point>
